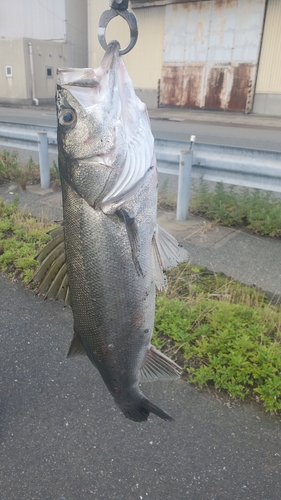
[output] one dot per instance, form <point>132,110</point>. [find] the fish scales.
<point>110,298</point>
<point>114,251</point>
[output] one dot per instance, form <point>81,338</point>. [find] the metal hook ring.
<point>131,20</point>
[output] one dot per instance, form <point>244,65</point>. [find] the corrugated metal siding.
<point>269,72</point>
<point>153,3</point>
<point>210,53</point>
<point>144,62</point>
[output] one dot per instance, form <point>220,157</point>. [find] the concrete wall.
<point>267,104</point>
<point>49,20</point>
<point>57,30</point>
<point>46,54</point>
<point>13,89</point>
<point>76,49</point>
<point>30,18</point>
<point>17,88</point>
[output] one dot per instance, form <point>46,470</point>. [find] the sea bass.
<point>110,253</point>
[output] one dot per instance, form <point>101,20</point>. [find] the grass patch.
<point>259,211</point>
<point>28,173</point>
<point>21,237</point>
<point>224,334</point>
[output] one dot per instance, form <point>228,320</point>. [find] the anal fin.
<point>157,366</point>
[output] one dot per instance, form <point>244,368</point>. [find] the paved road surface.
<point>213,128</point>
<point>62,438</point>
<point>219,133</point>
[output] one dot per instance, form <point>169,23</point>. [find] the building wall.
<point>46,54</point>
<point>95,52</point>
<point>205,53</point>
<point>57,30</point>
<point>17,88</point>
<point>76,49</point>
<point>30,18</point>
<point>144,62</point>
<point>268,89</point>
<point>13,88</point>
<point>211,51</point>
<point>49,20</point>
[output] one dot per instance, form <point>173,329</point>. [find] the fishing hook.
<point>118,8</point>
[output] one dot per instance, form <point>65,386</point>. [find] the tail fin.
<point>140,411</point>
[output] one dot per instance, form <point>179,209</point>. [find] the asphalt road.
<point>219,133</point>
<point>62,437</point>
<point>214,131</point>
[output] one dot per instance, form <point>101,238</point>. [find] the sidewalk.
<point>226,118</point>
<point>248,258</point>
<point>177,114</point>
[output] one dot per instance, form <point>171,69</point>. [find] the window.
<point>9,71</point>
<point>49,72</point>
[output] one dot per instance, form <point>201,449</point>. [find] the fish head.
<point>98,119</point>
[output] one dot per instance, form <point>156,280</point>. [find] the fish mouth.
<point>89,86</point>
<point>89,77</point>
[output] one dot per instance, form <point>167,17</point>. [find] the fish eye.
<point>68,117</point>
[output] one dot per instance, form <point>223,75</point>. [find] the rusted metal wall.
<point>156,3</point>
<point>211,51</point>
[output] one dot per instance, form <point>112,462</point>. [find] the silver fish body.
<point>115,252</point>
<point>113,304</point>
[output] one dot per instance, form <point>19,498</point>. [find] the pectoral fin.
<point>157,366</point>
<point>52,273</point>
<point>133,235</point>
<point>166,254</point>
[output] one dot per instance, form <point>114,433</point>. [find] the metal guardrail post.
<point>44,160</point>
<point>186,160</point>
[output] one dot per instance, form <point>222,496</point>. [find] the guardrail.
<point>34,138</point>
<point>252,168</point>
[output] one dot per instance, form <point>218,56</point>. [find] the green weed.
<point>21,237</point>
<point>229,346</point>
<point>55,177</point>
<point>29,173</point>
<point>223,333</point>
<point>10,170</point>
<point>259,211</point>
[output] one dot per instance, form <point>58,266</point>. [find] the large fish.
<point>115,252</point>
